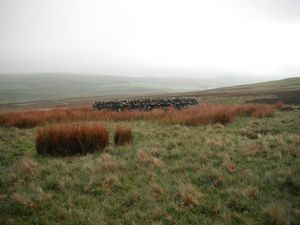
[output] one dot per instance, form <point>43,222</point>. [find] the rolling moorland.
<point>20,88</point>
<point>234,159</point>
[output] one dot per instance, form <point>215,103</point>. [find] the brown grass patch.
<point>198,115</point>
<point>71,139</point>
<point>123,136</point>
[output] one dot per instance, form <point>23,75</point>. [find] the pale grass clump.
<point>32,196</point>
<point>251,192</point>
<point>218,126</point>
<point>276,214</point>
<point>157,190</point>
<point>251,150</point>
<point>156,152</point>
<point>104,183</point>
<point>107,183</point>
<point>26,166</point>
<point>215,143</point>
<point>106,162</point>
<point>57,164</point>
<point>189,195</point>
<point>23,199</point>
<point>228,164</point>
<point>144,157</point>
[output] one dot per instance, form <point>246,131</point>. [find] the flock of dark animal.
<point>145,104</point>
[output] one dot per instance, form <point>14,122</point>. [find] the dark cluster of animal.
<point>146,104</point>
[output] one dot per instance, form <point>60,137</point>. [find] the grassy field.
<point>244,172</point>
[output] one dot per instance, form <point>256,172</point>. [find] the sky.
<point>151,38</point>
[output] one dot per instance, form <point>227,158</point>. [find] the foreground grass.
<point>246,172</point>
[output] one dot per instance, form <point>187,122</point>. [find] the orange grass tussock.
<point>197,115</point>
<point>123,136</point>
<point>73,139</point>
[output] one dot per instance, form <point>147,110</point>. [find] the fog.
<point>151,38</point>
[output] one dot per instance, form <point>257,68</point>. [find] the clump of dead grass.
<point>189,195</point>
<point>66,139</point>
<point>123,136</point>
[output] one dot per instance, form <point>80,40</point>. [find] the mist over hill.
<point>15,88</point>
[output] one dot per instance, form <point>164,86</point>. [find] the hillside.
<point>20,88</point>
<point>289,83</point>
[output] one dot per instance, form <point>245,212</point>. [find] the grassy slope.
<point>289,83</point>
<point>154,180</point>
<point>42,87</point>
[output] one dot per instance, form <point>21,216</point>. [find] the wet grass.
<point>245,172</point>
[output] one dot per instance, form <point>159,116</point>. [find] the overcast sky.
<point>153,37</point>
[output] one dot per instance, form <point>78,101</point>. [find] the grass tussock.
<point>67,139</point>
<point>189,195</point>
<point>123,136</point>
<point>27,166</point>
<point>146,158</point>
<point>276,215</point>
<point>198,115</point>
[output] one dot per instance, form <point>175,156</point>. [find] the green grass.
<point>246,172</point>
<point>290,83</point>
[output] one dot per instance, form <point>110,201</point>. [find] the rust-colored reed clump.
<point>66,139</point>
<point>123,136</point>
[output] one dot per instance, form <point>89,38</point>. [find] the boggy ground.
<point>246,172</point>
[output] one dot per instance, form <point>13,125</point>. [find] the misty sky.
<point>155,37</point>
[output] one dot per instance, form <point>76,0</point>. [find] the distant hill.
<point>20,88</point>
<point>289,83</point>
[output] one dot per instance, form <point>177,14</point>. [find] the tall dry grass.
<point>123,136</point>
<point>198,115</point>
<point>66,139</point>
